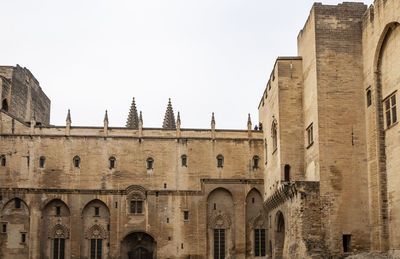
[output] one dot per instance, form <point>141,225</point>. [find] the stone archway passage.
<point>138,245</point>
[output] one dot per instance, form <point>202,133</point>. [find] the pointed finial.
<point>249,120</point>
<point>169,118</point>
<point>69,116</point>
<point>178,118</point>
<point>106,117</point>
<point>132,121</point>
<point>141,117</point>
<point>212,119</point>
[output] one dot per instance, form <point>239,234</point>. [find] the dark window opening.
<point>310,135</point>
<point>4,228</point>
<point>17,204</point>
<point>346,243</point>
<point>96,211</point>
<point>369,98</point>
<point>156,194</point>
<point>77,161</point>
<point>4,105</point>
<point>165,186</point>
<point>181,245</point>
<point>215,206</point>
<point>220,161</point>
<point>169,238</point>
<point>252,200</point>
<point>390,111</point>
<point>186,215</point>
<point>184,160</point>
<point>116,204</point>
<point>42,159</point>
<point>256,160</point>
<point>136,207</point>
<point>95,248</point>
<point>150,163</point>
<point>167,220</point>
<point>28,160</point>
<point>259,242</point>
<point>1,197</point>
<point>58,210</point>
<point>287,173</point>
<point>219,243</point>
<point>274,133</point>
<point>58,248</point>
<point>108,227</point>
<point>23,238</point>
<point>112,162</point>
<point>3,160</point>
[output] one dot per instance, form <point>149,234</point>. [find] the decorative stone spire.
<point>68,127</point>
<point>106,118</point>
<point>178,119</point>
<point>140,124</point>
<point>249,122</point>
<point>169,119</point>
<point>213,126</point>
<point>69,117</point>
<point>178,125</point>
<point>132,121</point>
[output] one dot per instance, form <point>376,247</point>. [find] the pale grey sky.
<point>206,55</point>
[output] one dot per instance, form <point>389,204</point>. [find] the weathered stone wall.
<point>340,130</point>
<point>25,97</point>
<point>381,77</point>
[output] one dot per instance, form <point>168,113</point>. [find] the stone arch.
<point>16,215</point>
<point>55,229</point>
<point>138,245</point>
<point>255,224</point>
<point>279,235</point>
<point>385,84</point>
<point>95,229</point>
<point>220,223</point>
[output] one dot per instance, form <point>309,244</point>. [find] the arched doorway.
<point>279,235</point>
<point>138,245</point>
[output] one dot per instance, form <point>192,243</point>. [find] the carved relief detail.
<point>59,231</point>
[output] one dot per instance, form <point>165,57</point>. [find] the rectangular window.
<point>95,248</point>
<point>58,248</point>
<point>219,243</point>
<point>186,215</point>
<point>310,135</point>
<point>23,238</point>
<point>369,98</point>
<point>137,207</point>
<point>259,242</point>
<point>390,110</point>
<point>17,203</point>
<point>58,211</point>
<point>4,228</point>
<point>96,211</point>
<point>3,160</point>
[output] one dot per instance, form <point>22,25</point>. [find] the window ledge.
<point>392,125</point>
<point>310,145</point>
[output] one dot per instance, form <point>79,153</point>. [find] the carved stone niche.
<point>96,232</point>
<point>220,221</point>
<point>59,231</point>
<point>135,192</point>
<point>258,222</point>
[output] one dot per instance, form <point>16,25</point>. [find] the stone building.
<point>317,179</point>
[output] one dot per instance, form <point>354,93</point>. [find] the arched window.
<point>3,160</point>
<point>256,161</point>
<point>274,134</point>
<point>150,163</point>
<point>184,160</point>
<point>112,161</point>
<point>220,161</point>
<point>77,161</point>
<point>4,105</point>
<point>42,160</point>
<point>287,173</point>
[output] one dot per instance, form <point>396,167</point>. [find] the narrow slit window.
<point>4,228</point>
<point>256,161</point>
<point>42,160</point>
<point>346,243</point>
<point>96,211</point>
<point>220,161</point>
<point>17,204</point>
<point>58,211</point>
<point>77,161</point>
<point>112,161</point>
<point>184,160</point>
<point>3,160</point>
<point>369,98</point>
<point>23,238</point>
<point>186,215</point>
<point>150,163</point>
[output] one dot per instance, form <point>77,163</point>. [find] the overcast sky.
<point>206,55</point>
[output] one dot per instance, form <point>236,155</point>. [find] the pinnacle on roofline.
<point>133,120</point>
<point>169,118</point>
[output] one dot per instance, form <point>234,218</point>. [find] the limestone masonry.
<point>316,177</point>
